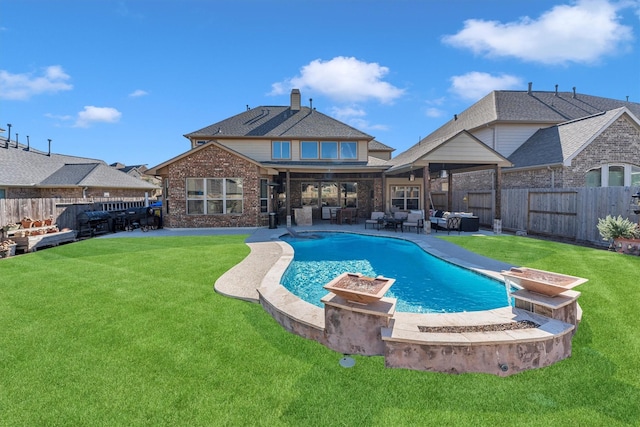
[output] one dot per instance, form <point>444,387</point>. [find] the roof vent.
<point>556,94</point>
<point>530,86</point>
<point>295,99</point>
<point>574,92</point>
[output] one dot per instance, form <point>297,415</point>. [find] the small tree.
<point>611,228</point>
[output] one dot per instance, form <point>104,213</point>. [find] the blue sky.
<point>123,81</point>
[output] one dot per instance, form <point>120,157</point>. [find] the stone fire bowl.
<point>542,282</point>
<point>358,288</point>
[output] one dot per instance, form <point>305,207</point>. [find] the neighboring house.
<point>29,173</point>
<point>140,172</point>
<point>553,140</point>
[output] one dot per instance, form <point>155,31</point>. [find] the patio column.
<point>497,184</point>
<point>426,181</point>
<point>450,192</point>
<point>288,192</point>
<point>384,192</point>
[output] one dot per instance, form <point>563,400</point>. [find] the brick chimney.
<point>295,99</point>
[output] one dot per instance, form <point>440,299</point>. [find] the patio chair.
<point>414,220</point>
<point>375,221</point>
<point>453,223</point>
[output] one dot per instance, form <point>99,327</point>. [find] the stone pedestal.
<point>563,307</point>
<point>353,328</point>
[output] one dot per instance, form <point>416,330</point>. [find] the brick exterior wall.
<point>619,143</point>
<point>213,162</point>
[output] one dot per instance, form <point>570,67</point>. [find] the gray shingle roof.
<point>280,122</point>
<point>375,145</point>
<point>545,108</point>
<point>556,144</point>
<point>22,168</point>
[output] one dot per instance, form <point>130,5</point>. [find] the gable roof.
<point>280,122</point>
<point>22,167</point>
<point>462,150</point>
<point>541,107</point>
<point>559,144</point>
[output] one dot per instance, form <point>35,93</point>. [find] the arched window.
<point>594,178</point>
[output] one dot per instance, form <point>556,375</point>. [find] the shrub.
<point>615,227</point>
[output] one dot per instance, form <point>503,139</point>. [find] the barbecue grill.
<point>91,223</point>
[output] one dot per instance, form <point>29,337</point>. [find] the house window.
<point>594,178</point>
<point>209,196</point>
<point>264,195</point>
<point>635,176</point>
<point>405,197</point>
<point>3,193</point>
<point>348,150</point>
<point>309,150</point>
<point>613,176</point>
<point>281,150</point>
<point>330,196</point>
<point>329,150</point>
<point>310,194</point>
<point>349,194</point>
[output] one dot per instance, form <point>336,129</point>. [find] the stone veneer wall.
<point>213,162</point>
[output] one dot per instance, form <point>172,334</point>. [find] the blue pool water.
<point>424,283</point>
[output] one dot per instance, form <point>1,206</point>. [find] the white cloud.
<point>92,114</point>
<point>343,79</point>
<point>475,85</point>
<point>343,113</point>
<point>434,112</point>
<point>138,92</point>
<point>58,117</point>
<point>582,32</point>
<point>24,86</point>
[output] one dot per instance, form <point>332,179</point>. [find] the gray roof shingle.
<point>545,108</point>
<point>556,144</point>
<point>280,122</point>
<point>20,167</point>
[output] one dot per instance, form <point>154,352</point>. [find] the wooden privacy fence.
<point>63,211</point>
<point>568,213</point>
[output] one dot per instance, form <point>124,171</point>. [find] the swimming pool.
<point>424,283</point>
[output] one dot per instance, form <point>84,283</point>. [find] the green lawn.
<point>128,331</point>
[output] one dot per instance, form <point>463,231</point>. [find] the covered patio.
<point>437,161</point>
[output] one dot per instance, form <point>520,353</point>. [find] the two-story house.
<point>272,159</point>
